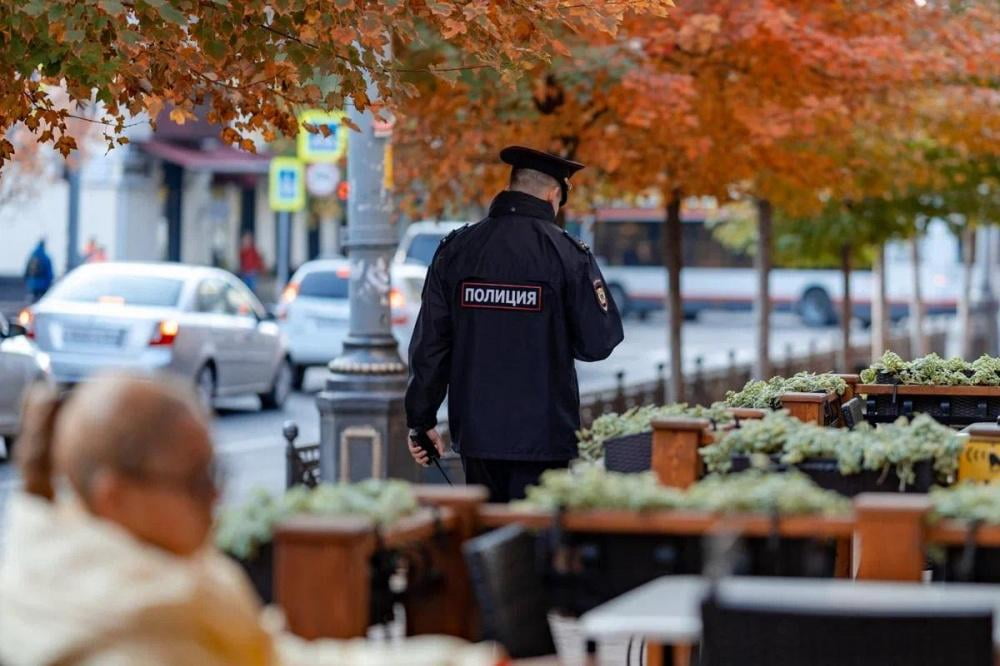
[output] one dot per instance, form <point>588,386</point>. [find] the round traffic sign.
<point>322,179</point>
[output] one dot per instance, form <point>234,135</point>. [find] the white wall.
<point>122,204</point>
<point>107,200</point>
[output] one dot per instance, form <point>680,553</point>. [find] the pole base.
<point>369,356</point>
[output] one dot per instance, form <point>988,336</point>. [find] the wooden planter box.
<point>633,453</point>
<point>961,540</point>
<point>323,567</point>
<point>951,405</point>
<point>617,550</point>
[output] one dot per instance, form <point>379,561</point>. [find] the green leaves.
<point>898,445</point>
<point>243,529</point>
<point>172,14</point>
<point>590,487</point>
<point>590,441</point>
<point>113,7</point>
<point>972,502</point>
<point>934,371</point>
<point>762,394</point>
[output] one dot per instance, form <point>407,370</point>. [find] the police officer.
<point>508,304</point>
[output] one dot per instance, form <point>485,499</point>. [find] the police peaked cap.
<point>561,169</point>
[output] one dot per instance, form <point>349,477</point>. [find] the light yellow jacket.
<point>78,591</point>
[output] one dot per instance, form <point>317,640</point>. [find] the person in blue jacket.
<point>509,304</point>
<point>38,271</point>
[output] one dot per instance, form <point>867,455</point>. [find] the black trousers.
<point>506,479</point>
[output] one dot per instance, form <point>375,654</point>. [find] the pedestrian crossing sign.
<point>316,147</point>
<point>287,190</point>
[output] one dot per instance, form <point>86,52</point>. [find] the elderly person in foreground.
<point>106,554</point>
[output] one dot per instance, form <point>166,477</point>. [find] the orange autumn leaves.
<point>776,98</point>
<point>256,63</point>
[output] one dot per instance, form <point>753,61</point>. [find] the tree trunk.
<point>918,337</point>
<point>846,309</point>
<point>965,328</point>
<point>880,309</point>
<point>673,256</point>
<point>762,306</point>
<point>987,303</point>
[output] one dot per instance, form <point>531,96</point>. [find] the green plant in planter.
<point>898,446</point>
<point>969,502</point>
<point>766,394</point>
<point>985,371</point>
<point>934,370</point>
<point>890,364</point>
<point>752,491</point>
<point>243,529</point>
<point>590,441</point>
<point>592,487</point>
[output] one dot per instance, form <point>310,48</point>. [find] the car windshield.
<point>422,248</point>
<point>119,288</point>
<point>324,284</point>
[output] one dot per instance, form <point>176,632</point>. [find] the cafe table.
<point>667,611</point>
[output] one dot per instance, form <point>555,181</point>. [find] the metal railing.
<point>702,386</point>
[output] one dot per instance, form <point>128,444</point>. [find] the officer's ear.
<point>555,197</point>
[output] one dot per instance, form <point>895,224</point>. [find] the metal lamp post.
<point>362,426</point>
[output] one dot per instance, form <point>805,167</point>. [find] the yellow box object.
<point>980,457</point>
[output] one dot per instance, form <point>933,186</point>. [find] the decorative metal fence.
<point>704,386</point>
<point>701,386</point>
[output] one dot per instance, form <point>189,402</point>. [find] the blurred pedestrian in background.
<point>251,263</point>
<point>107,556</point>
<point>93,252</point>
<point>38,271</point>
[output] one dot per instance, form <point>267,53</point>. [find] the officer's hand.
<point>419,454</point>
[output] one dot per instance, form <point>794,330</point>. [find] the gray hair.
<point>532,182</point>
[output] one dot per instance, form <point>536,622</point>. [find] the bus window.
<point>628,243</point>
<point>703,250</point>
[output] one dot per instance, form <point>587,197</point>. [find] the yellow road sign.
<point>287,187</point>
<point>314,147</point>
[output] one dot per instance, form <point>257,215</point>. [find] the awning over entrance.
<point>216,159</point>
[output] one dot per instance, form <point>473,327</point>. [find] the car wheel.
<point>298,376</point>
<point>620,298</point>
<point>8,443</point>
<point>816,308</point>
<point>280,388</point>
<point>205,386</point>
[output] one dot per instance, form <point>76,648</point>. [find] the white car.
<point>314,311</point>
<point>197,322</point>
<point>21,365</point>
<point>421,241</point>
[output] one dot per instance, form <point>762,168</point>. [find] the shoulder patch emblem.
<point>602,294</point>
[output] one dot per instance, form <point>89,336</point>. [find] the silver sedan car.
<point>197,322</point>
<point>21,364</point>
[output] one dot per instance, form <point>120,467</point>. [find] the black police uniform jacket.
<point>508,304</point>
